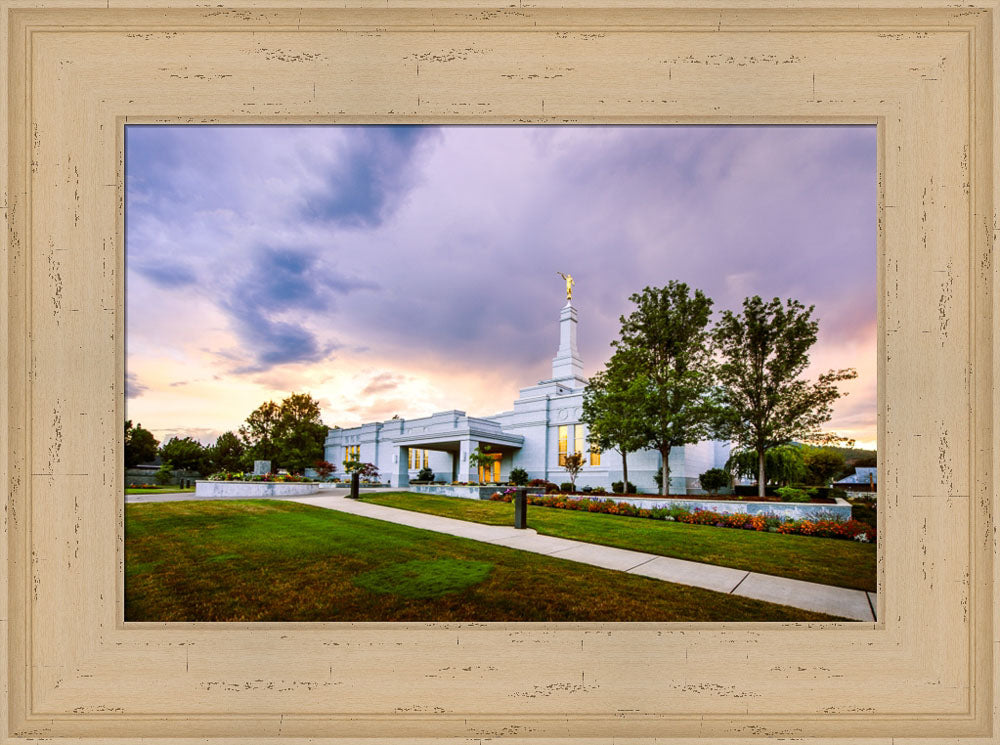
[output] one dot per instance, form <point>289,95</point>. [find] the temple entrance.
<point>488,473</point>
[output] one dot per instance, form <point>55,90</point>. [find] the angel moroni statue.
<point>569,284</point>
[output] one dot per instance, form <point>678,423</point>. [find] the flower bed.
<point>823,526</point>
<point>274,478</point>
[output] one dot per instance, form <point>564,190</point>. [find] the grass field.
<point>259,560</point>
<point>824,560</point>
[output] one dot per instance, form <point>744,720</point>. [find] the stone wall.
<point>465,492</point>
<point>795,510</point>
<point>254,489</point>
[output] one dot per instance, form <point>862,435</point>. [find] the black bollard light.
<point>355,485</point>
<point>521,508</point>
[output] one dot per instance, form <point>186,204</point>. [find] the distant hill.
<point>855,458</point>
<point>852,455</point>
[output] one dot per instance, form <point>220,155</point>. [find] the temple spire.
<point>566,365</point>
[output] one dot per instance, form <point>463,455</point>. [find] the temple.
<point>536,434</point>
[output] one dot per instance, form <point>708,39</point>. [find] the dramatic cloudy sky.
<point>408,270</point>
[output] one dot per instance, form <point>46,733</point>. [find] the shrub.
<point>566,487</point>
<point>518,476</point>
<point>426,474</point>
<point>619,488</point>
<point>587,489</point>
<point>789,494</point>
<point>551,488</point>
<point>713,479</point>
<point>599,490</point>
<point>324,468</point>
<point>165,474</point>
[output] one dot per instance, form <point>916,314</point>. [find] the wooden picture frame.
<point>78,70</point>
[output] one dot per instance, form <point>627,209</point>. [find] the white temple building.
<point>536,434</point>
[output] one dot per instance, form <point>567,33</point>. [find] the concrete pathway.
<point>836,601</point>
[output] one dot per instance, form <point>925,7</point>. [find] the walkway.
<point>836,601</point>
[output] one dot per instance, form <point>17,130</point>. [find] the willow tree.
<point>763,351</point>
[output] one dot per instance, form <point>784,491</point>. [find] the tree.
<point>784,464</point>
<point>823,464</point>
<point>612,410</point>
<point>573,464</point>
<point>227,453</point>
<point>365,471</point>
<point>714,479</point>
<point>289,434</point>
<point>324,468</point>
<point>260,430</point>
<point>763,352</point>
<point>482,458</point>
<point>140,445</point>
<point>185,454</point>
<point>300,433</point>
<point>665,345</point>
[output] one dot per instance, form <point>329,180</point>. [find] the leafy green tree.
<point>259,432</point>
<point>665,344</point>
<point>227,453</point>
<point>612,410</point>
<point>823,464</point>
<point>289,434</point>
<point>300,433</point>
<point>185,454</point>
<point>140,445</point>
<point>764,350</point>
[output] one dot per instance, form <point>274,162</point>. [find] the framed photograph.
<point>83,80</point>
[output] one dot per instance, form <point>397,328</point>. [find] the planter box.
<point>254,489</point>
<point>795,510</point>
<point>465,492</point>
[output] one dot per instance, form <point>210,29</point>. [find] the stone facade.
<point>526,436</point>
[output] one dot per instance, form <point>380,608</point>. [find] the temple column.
<point>402,467</point>
<point>467,472</point>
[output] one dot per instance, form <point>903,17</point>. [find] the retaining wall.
<point>254,489</point>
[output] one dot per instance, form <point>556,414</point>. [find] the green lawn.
<point>259,560</point>
<point>157,490</point>
<point>825,560</point>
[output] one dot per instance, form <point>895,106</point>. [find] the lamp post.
<point>521,508</point>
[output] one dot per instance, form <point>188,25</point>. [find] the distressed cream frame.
<point>78,70</point>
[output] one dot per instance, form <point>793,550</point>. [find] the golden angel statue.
<point>569,284</point>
